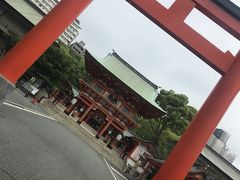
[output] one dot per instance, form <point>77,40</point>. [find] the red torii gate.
<point>184,154</point>
<point>171,20</point>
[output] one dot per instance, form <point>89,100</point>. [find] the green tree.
<point>59,63</point>
<point>179,113</point>
<point>165,131</point>
<point>10,38</point>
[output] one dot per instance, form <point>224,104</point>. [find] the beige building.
<point>21,15</point>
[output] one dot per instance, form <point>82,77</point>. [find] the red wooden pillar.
<point>69,109</point>
<point>30,48</point>
<point>112,143</point>
<point>54,94</point>
<point>100,133</point>
<point>85,114</point>
<point>195,137</point>
<point>88,116</point>
<point>62,99</point>
<point>35,100</point>
<point>57,98</point>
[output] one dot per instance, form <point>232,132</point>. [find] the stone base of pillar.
<point>79,122</point>
<point>67,113</point>
<point>6,87</point>
<point>97,137</point>
<point>34,101</point>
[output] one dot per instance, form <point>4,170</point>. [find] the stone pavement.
<point>56,111</point>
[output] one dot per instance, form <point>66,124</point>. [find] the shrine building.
<point>114,97</point>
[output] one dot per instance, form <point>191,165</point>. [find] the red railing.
<point>89,93</point>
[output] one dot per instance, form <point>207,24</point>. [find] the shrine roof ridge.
<point>116,55</point>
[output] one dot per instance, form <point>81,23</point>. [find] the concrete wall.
<point>10,20</point>
<point>218,143</point>
<point>221,163</point>
<point>140,150</point>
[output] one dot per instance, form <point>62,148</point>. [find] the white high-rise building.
<point>45,6</point>
<point>218,143</point>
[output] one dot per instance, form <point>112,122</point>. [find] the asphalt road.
<point>17,96</point>
<point>37,148</point>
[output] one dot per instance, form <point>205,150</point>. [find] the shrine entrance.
<point>96,120</point>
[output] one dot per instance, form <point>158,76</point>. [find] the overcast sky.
<point>114,24</point>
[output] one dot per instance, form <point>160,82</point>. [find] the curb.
<point>27,109</point>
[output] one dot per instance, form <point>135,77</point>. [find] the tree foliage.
<point>59,63</point>
<point>179,113</point>
<point>10,38</point>
<point>165,131</point>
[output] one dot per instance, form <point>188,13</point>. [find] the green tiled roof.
<point>26,10</point>
<point>131,77</point>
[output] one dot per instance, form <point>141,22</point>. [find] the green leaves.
<point>179,112</point>
<point>59,63</point>
<point>165,131</point>
<point>11,39</point>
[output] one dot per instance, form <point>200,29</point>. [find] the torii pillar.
<point>32,46</point>
<point>195,137</point>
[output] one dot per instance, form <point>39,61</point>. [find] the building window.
<point>112,99</point>
<point>135,118</point>
<point>75,32</point>
<point>97,88</point>
<point>126,111</point>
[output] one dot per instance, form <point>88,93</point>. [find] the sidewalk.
<point>84,133</point>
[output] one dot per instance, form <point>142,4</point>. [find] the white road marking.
<point>27,110</point>
<point>87,130</point>
<point>119,173</point>
<point>110,169</point>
